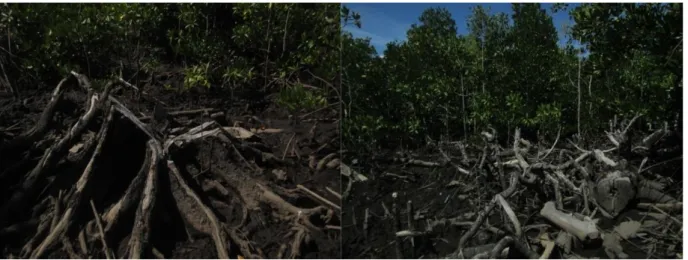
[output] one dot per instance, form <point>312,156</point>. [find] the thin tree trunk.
<point>267,53</point>
<point>580,60</point>
<point>590,96</point>
<point>463,109</point>
<point>14,92</point>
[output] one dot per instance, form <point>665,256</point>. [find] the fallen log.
<point>583,230</point>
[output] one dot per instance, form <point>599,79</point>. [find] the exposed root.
<point>67,246</point>
<point>57,210</point>
<point>41,127</point>
<point>43,228</point>
<point>300,235</point>
<point>77,199</point>
<point>244,246</point>
<point>217,232</point>
<point>50,157</point>
<point>106,250</point>
<point>130,199</point>
<point>72,175</point>
<point>139,235</point>
<point>318,198</point>
<point>301,214</point>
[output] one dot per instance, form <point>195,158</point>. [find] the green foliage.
<point>297,97</point>
<point>635,57</point>
<point>512,73</point>
<point>239,74</point>
<point>196,77</point>
<point>347,16</point>
<point>228,45</point>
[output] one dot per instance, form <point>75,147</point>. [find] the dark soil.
<point>179,228</point>
<point>442,193</point>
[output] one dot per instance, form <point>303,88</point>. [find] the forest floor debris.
<point>96,172</point>
<point>615,196</point>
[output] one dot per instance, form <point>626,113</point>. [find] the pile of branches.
<point>581,183</point>
<point>52,211</point>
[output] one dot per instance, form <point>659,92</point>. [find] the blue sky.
<point>386,22</point>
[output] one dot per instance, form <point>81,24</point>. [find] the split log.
<point>613,192</point>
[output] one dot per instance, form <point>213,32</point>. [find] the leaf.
<point>628,228</point>
<point>345,11</point>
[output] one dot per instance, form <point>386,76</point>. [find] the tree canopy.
<point>509,71</point>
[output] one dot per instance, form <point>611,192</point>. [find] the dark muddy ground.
<point>233,185</point>
<point>443,193</point>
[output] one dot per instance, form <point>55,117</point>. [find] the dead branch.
<point>521,161</point>
<point>488,209</point>
<point>506,193</point>
<point>599,155</point>
<point>510,212</point>
<point>339,196</point>
<point>409,220</point>
<point>553,145</point>
<point>457,167</point>
<point>514,243</point>
<point>352,174</point>
<point>185,113</point>
<point>321,164</point>
<point>665,206</point>
<point>318,197</point>
<point>434,226</point>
